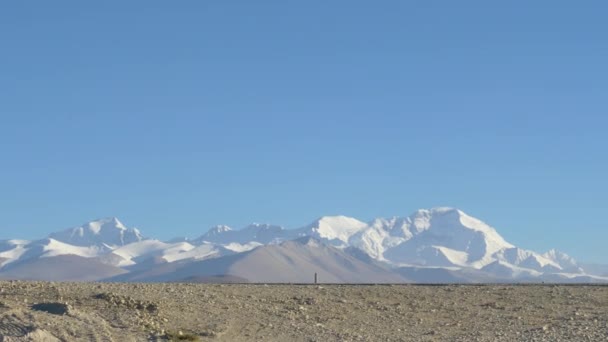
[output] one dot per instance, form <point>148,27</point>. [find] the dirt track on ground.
<point>40,311</point>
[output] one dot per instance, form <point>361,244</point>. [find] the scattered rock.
<point>128,302</point>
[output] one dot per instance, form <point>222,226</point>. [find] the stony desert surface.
<point>45,311</point>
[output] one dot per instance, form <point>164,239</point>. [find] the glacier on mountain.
<point>430,239</point>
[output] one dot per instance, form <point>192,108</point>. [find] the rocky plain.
<point>58,311</point>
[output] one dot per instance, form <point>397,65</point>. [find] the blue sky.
<point>175,116</point>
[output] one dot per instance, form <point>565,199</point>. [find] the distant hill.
<point>61,268</point>
<point>289,262</point>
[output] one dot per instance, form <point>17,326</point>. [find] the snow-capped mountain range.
<point>433,242</point>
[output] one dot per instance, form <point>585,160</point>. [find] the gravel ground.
<point>42,311</point>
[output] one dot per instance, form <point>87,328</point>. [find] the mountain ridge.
<point>438,238</point>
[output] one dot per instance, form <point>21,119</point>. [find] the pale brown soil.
<point>37,311</point>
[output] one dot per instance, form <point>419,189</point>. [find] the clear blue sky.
<point>178,115</point>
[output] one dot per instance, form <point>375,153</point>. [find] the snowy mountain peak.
<point>216,233</point>
<point>438,211</point>
<point>439,236</point>
<point>445,210</point>
<point>338,222</point>
<point>335,229</point>
<point>103,232</point>
<point>451,217</point>
<point>97,226</point>
<point>446,213</point>
<point>566,262</point>
<point>555,254</point>
<point>219,229</point>
<point>256,232</point>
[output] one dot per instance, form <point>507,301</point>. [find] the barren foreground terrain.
<point>42,311</point>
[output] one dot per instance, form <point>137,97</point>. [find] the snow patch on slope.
<point>11,251</point>
<point>239,248</point>
<point>55,248</point>
<point>183,252</point>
